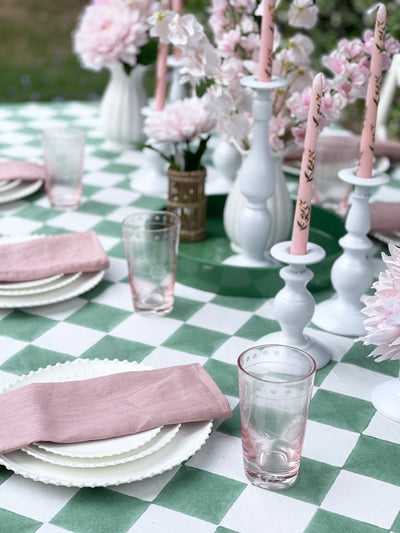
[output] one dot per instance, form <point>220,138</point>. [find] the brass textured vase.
<point>186,198</point>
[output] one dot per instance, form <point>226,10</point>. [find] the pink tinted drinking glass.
<point>151,244</point>
<point>275,387</point>
<point>63,151</point>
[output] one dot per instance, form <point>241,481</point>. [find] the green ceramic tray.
<point>200,263</point>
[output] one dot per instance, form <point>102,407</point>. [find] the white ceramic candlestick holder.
<point>294,304</point>
<point>151,179</point>
<point>177,90</point>
<point>257,180</point>
<point>351,274</point>
<point>386,399</point>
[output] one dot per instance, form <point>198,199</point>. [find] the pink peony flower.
<point>110,31</point>
<point>383,310</point>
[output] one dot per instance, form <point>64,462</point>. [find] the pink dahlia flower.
<point>111,31</point>
<point>383,310</point>
<point>179,122</point>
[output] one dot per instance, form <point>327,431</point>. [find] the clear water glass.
<point>275,387</point>
<point>63,151</point>
<point>151,246</point>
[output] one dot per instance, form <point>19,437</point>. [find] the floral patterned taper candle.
<point>302,215</point>
<point>267,41</point>
<point>365,164</point>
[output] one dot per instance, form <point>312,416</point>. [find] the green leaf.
<point>148,53</point>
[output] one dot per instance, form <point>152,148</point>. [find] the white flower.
<point>303,14</point>
<point>383,310</point>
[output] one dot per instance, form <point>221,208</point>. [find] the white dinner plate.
<point>163,437</point>
<point>56,282</point>
<point>7,185</point>
<point>25,188</point>
<point>187,441</point>
<point>84,283</point>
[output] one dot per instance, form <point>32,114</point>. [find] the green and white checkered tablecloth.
<point>350,473</point>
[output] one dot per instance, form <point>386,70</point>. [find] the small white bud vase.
<point>121,118</point>
<point>257,180</point>
<point>226,161</point>
<point>351,273</point>
<point>177,90</point>
<point>294,304</point>
<point>279,205</point>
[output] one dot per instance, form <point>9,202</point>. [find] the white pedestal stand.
<point>351,274</point>
<point>386,399</point>
<point>294,304</point>
<point>257,180</point>
<point>177,90</point>
<point>151,179</point>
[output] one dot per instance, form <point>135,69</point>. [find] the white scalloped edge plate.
<point>189,439</point>
<point>84,283</point>
<point>60,281</point>
<point>20,191</point>
<point>7,185</point>
<point>166,434</point>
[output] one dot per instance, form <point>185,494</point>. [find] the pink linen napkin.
<point>385,216</point>
<point>108,406</point>
<point>21,170</point>
<point>56,254</point>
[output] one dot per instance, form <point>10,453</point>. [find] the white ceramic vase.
<point>120,112</point>
<point>279,205</point>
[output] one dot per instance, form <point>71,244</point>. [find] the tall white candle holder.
<point>294,304</point>
<point>257,180</point>
<point>151,179</point>
<point>351,274</point>
<point>177,90</point>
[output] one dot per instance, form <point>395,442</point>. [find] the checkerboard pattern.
<point>349,479</point>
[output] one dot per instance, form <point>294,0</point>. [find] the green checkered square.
<point>358,355</point>
<point>89,190</point>
<point>198,341</point>
<point>103,154</point>
<point>98,316</point>
<point>99,511</point>
<point>313,482</point>
<point>109,229</point>
<point>117,251</point>
<point>257,327</point>
<point>97,208</point>
<point>340,411</point>
<point>184,308</point>
<point>231,426</point>
<point>24,326</point>
<point>4,474</point>
<point>396,524</point>
<point>225,376</point>
<point>375,458</point>
<point>149,202</point>
<point>14,523</point>
<point>118,168</point>
<point>110,347</point>
<point>200,494</point>
<point>33,358</point>
<point>221,529</point>
<point>38,213</point>
<point>326,522</point>
<point>242,304</point>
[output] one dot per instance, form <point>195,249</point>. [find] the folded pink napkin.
<point>57,254</point>
<point>385,216</point>
<point>108,406</point>
<point>21,170</point>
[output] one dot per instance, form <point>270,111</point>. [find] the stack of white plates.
<point>11,190</point>
<point>104,462</point>
<point>44,291</point>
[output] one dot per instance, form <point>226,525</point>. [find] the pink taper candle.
<point>302,215</point>
<point>161,70</point>
<point>267,41</point>
<point>366,159</point>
